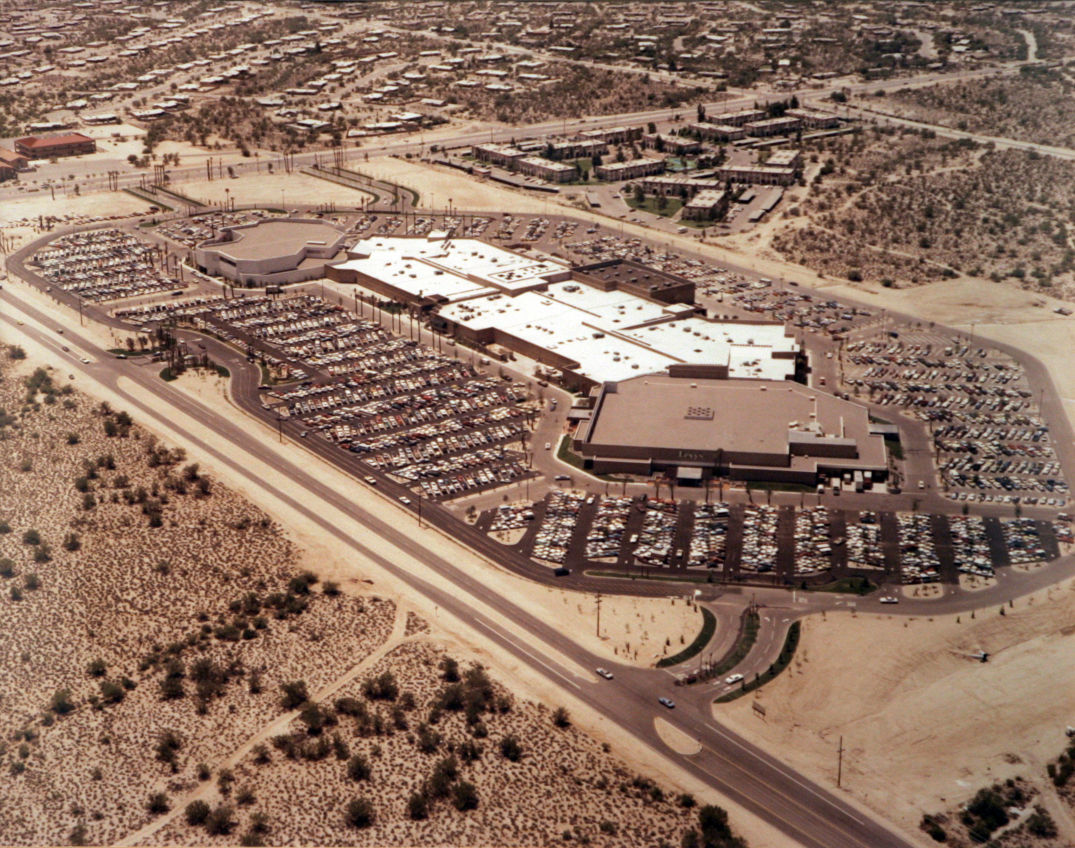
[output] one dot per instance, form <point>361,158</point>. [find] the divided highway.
<point>806,813</point>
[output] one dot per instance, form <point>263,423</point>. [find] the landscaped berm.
<point>170,673</point>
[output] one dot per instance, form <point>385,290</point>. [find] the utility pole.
<point>598,615</point>
<point>840,763</point>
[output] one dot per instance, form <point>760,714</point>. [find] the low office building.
<point>692,429</point>
<point>614,135</point>
<point>575,148</point>
<point>785,159</point>
<point>14,161</point>
<point>708,205</point>
<point>630,170</point>
<point>678,186</point>
<point>756,175</point>
<point>814,120</point>
<point>677,144</point>
<point>503,155</point>
<point>544,169</point>
<point>272,252</point>
<point>718,132</point>
<point>773,126</point>
<point>54,146</point>
<point>737,119</point>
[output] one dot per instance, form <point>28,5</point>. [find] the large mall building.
<point>672,392</point>
<point>272,252</point>
<point>588,325</point>
<point>691,429</point>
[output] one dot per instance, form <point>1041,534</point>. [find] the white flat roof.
<point>455,269</point>
<point>613,335</point>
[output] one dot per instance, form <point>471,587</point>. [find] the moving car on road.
<point>667,702</point>
<point>605,673</point>
<point>732,679</point>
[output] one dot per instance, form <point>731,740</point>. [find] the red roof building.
<point>54,146</point>
<point>13,160</point>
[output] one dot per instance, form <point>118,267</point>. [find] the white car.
<point>371,480</point>
<point>403,499</point>
<point>605,673</point>
<point>732,679</point>
<point>890,599</point>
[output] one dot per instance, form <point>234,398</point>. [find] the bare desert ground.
<point>277,190</point>
<point>900,691</point>
<point>154,617</point>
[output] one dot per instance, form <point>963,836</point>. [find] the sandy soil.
<point>217,559</point>
<point>914,692</point>
<point>923,591</point>
<point>272,190</point>
<point>436,185</point>
<point>974,583</point>
<point>508,537</point>
<point>676,739</point>
<point>20,217</point>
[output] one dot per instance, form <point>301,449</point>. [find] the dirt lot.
<point>273,190</point>
<point>913,690</point>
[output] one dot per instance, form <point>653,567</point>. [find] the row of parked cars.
<point>420,416</point>
<point>655,542</point>
<point>562,507</point>
<point>101,265</point>
<point>709,537</point>
<point>813,543</point>
<point>606,534</point>
<point>759,539</point>
<point>988,434</point>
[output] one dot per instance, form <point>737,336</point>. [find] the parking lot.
<point>196,229</point>
<point>766,544</point>
<point>725,292</point>
<point>423,418</point>
<point>989,440</point>
<point>102,265</point>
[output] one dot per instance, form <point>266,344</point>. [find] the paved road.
<point>805,812</point>
<point>999,142</point>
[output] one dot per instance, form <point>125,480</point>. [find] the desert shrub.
<point>359,813</point>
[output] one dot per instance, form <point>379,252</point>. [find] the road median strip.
<point>787,653</point>
<point>709,627</point>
